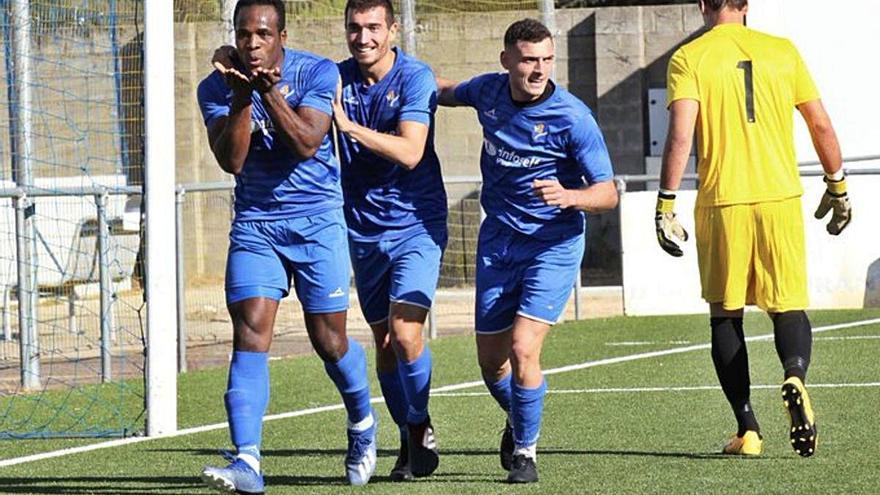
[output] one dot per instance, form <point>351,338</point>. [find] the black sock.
<point>793,337</point>
<point>732,366</point>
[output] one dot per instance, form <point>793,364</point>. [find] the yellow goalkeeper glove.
<point>667,224</point>
<point>836,201</point>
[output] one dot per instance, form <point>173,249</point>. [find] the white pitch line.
<point>620,390</point>
<point>448,388</point>
<point>634,343</point>
<point>631,343</point>
<point>850,337</point>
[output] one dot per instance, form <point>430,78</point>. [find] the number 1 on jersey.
<point>746,66</point>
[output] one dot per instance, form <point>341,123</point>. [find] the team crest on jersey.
<point>539,132</point>
<point>285,90</point>
<point>392,98</point>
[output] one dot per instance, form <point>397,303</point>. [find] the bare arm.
<point>406,148</point>
<point>302,129</point>
<point>827,147</point>
<point>230,136</point>
<point>682,119</point>
<point>446,93</point>
<point>595,198</point>
<point>823,135</point>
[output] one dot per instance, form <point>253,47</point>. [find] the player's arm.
<point>823,135</point>
<point>230,135</point>
<point>594,198</point>
<point>405,149</point>
<point>446,93</point>
<point>827,147</point>
<point>682,119</point>
<point>679,140</point>
<point>586,147</point>
<point>301,129</point>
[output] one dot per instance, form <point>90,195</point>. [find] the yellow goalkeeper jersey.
<point>748,84</point>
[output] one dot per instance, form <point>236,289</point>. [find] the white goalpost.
<point>161,291</point>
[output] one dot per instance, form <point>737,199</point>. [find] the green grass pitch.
<point>600,433</point>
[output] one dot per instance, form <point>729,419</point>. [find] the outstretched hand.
<point>224,61</point>
<point>263,80</point>
<point>224,58</point>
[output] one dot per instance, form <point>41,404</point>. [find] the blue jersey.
<point>557,138</point>
<point>273,184</point>
<point>382,199</point>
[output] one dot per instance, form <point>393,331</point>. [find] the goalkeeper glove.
<point>667,224</point>
<point>836,201</point>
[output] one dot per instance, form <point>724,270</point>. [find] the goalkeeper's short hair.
<point>716,5</point>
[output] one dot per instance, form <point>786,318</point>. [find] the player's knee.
<point>248,336</point>
<point>386,359</point>
<point>525,353</point>
<point>790,320</point>
<point>327,334</point>
<point>407,342</point>
<point>330,348</point>
<point>329,345</point>
<point>493,367</point>
<point>716,310</point>
<point>381,338</point>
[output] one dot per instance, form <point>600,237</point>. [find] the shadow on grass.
<point>647,453</point>
<point>135,485</point>
<point>544,452</point>
<point>127,485</point>
<point>138,485</point>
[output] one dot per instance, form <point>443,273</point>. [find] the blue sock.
<point>247,395</point>
<point>416,380</point>
<point>350,376</point>
<point>395,397</point>
<point>501,391</point>
<point>528,408</point>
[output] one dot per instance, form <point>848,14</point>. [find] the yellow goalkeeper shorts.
<point>753,254</point>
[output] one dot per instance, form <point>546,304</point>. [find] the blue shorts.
<point>520,275</point>
<point>400,270</point>
<point>265,255</point>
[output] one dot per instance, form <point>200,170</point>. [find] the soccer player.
<point>544,163</point>
<point>268,114</point>
<point>740,87</point>
<point>395,207</point>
